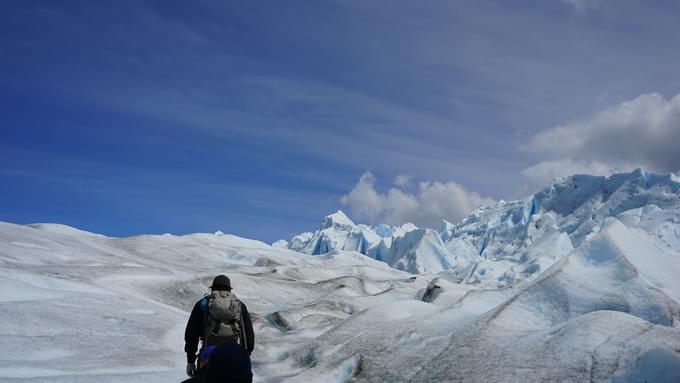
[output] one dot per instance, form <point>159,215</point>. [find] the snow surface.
<point>79,307</point>
<point>578,282</point>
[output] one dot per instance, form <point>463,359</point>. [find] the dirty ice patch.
<point>346,370</point>
<point>656,365</point>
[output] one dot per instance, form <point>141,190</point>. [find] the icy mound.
<point>593,316</point>
<point>604,274</point>
<point>589,318</point>
<point>576,206</point>
<point>404,247</point>
<point>597,347</point>
<point>420,251</point>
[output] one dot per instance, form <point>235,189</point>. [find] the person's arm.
<point>248,332</point>
<point>192,334</point>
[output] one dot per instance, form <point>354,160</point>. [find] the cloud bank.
<point>643,132</point>
<point>425,206</point>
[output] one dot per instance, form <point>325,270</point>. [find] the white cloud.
<point>402,180</point>
<point>541,174</point>
<point>427,206</point>
<point>643,132</point>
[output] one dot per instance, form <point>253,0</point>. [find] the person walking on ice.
<point>218,318</point>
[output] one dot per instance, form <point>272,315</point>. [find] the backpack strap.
<point>242,330</point>
<point>237,323</point>
<point>204,307</point>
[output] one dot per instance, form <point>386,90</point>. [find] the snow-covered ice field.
<point>600,305</point>
<point>79,307</point>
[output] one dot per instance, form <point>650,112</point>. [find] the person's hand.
<point>191,369</point>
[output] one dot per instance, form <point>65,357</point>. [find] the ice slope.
<point>586,319</point>
<point>593,316</point>
<point>337,232</point>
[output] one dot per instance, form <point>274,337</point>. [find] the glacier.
<point>501,245</point>
<point>577,282</point>
<point>404,247</point>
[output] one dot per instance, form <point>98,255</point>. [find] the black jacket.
<point>195,329</point>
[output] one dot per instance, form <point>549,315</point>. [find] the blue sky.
<point>259,118</point>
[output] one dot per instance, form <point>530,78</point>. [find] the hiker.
<point>216,319</point>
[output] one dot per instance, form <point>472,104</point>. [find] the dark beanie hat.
<point>221,282</point>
